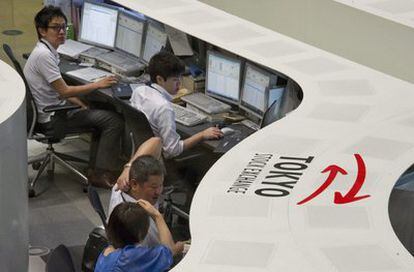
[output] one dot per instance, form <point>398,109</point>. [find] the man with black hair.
<point>154,101</point>
<point>48,88</point>
<point>146,181</point>
<point>127,226</point>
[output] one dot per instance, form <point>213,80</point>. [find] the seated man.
<point>146,177</point>
<point>154,101</point>
<point>48,88</point>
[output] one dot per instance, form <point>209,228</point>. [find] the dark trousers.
<point>107,127</point>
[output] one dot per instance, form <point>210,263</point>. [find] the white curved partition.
<point>14,233</point>
<point>309,192</point>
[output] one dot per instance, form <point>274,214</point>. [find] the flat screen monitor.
<point>273,113</point>
<point>155,40</point>
<point>130,33</point>
<point>255,90</point>
<point>98,25</point>
<point>223,77</point>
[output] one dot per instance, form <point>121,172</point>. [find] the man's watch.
<point>128,165</point>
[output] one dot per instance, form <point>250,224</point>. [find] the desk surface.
<point>246,215</point>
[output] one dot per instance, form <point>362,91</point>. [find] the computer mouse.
<point>227,131</point>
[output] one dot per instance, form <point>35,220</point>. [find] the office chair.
<point>96,203</point>
<point>50,136</point>
<point>60,260</point>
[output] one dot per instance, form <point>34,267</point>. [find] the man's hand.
<point>151,210</point>
<point>179,246</point>
<point>123,181</point>
<point>106,82</point>
<point>212,133</point>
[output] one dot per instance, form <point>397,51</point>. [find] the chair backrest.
<point>136,124</point>
<point>96,203</point>
<point>31,108</point>
<point>60,260</point>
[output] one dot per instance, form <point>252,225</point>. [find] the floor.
<point>18,15</point>
<point>61,214</point>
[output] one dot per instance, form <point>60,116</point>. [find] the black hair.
<point>128,225</point>
<point>144,167</point>
<point>166,65</point>
<point>45,15</point>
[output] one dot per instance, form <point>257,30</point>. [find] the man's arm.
<point>151,147</point>
<point>163,230</point>
<point>68,91</point>
<point>207,134</point>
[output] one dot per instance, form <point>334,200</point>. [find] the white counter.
<point>347,109</point>
<point>14,232</point>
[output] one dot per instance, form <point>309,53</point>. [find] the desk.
<point>347,109</point>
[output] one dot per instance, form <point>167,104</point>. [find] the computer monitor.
<point>223,77</point>
<point>155,40</point>
<point>255,90</point>
<point>98,25</point>
<point>273,113</point>
<point>130,33</point>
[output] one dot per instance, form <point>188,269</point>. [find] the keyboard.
<point>89,74</point>
<point>187,117</point>
<point>119,59</point>
<point>206,103</point>
<point>120,63</point>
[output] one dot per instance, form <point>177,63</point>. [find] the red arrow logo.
<point>359,181</point>
<point>333,172</point>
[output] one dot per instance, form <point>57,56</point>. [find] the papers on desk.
<point>179,42</point>
<point>73,48</point>
<point>89,74</point>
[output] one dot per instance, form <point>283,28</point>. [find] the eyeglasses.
<point>58,28</point>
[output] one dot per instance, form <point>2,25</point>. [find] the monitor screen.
<point>273,113</point>
<point>223,77</point>
<point>255,90</point>
<point>130,33</point>
<point>155,40</point>
<point>98,25</point>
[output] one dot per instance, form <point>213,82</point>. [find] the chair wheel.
<point>32,192</point>
<point>36,165</point>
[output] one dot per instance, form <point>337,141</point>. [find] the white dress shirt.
<point>155,102</point>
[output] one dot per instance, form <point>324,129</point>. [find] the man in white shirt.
<point>48,88</point>
<point>154,101</point>
<point>146,178</point>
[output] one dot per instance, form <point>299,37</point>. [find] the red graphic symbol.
<point>351,195</point>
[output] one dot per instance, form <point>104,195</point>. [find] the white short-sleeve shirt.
<point>41,69</point>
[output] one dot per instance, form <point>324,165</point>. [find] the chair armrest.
<point>65,107</point>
